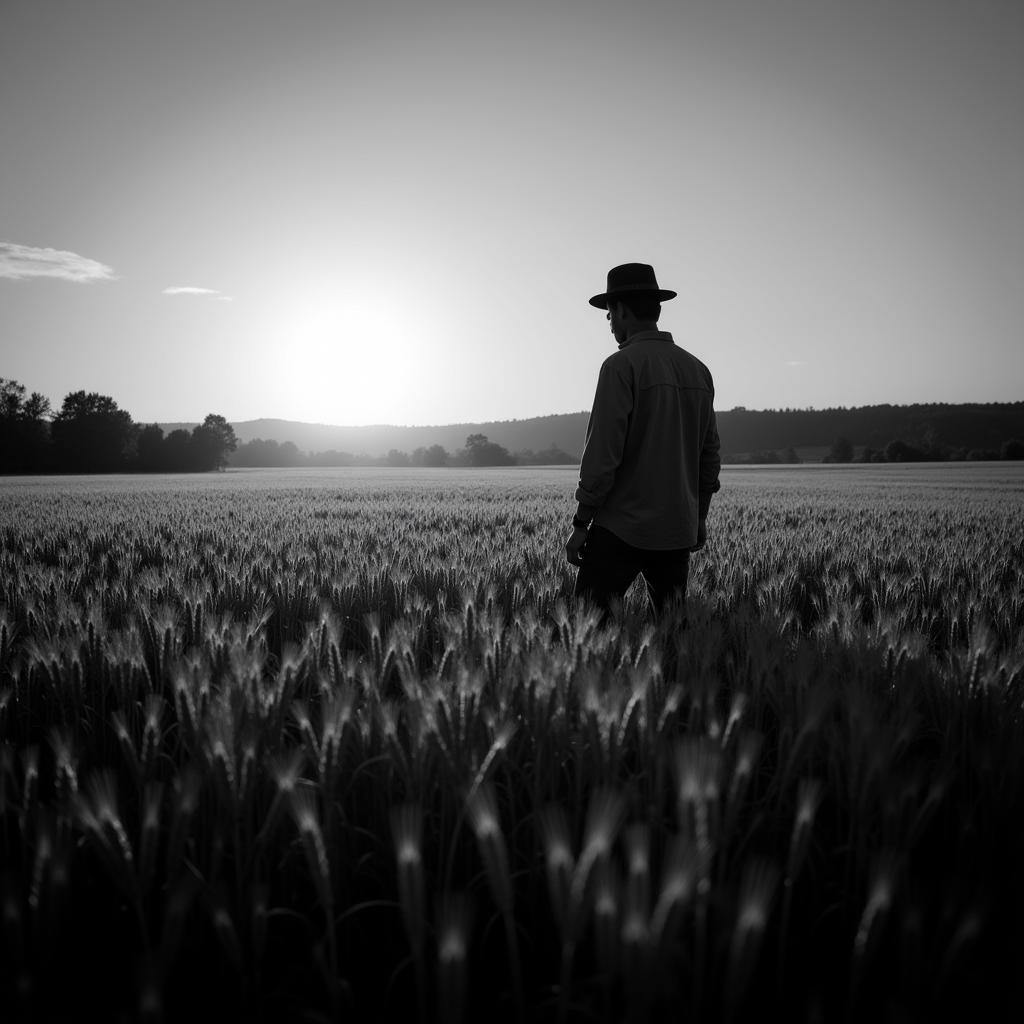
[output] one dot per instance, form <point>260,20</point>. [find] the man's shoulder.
<point>696,362</point>
<point>691,361</point>
<point>673,353</point>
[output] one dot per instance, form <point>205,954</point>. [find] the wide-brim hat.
<point>631,279</point>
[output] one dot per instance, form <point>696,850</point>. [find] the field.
<point>322,745</point>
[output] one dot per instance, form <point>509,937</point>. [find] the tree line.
<point>478,451</point>
<point>91,434</point>
<point>929,450</point>
<point>934,431</point>
<point>844,451</point>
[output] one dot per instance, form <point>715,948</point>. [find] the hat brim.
<point>601,301</point>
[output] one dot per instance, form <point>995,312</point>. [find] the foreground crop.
<point>342,746</point>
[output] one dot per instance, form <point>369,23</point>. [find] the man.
<point>650,463</point>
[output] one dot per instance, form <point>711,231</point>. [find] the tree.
<point>150,453</point>
<point>178,451</point>
<point>212,441</point>
<point>396,458</point>
<point>331,457</point>
<point>12,394</point>
<point>290,454</point>
<point>481,452</point>
<point>92,435</point>
<point>841,451</point>
<point>435,455</point>
<point>1012,449</point>
<point>550,456</point>
<point>554,456</point>
<point>258,452</point>
<point>900,451</point>
<point>24,429</point>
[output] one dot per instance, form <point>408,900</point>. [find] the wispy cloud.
<point>18,262</point>
<point>795,362</point>
<point>189,290</point>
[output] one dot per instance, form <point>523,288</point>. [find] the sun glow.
<point>351,361</point>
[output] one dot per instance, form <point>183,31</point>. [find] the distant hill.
<point>743,431</point>
<point>565,431</point>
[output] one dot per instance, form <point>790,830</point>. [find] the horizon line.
<point>578,412</point>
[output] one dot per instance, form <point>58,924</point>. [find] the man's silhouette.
<point>650,463</point>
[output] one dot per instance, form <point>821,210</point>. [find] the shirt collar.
<point>647,336</point>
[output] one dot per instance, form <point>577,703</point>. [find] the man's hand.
<point>702,535</point>
<point>575,544</point>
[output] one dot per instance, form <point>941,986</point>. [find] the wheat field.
<point>323,745</point>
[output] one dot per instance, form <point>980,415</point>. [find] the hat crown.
<point>632,277</point>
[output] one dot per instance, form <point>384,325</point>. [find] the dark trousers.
<point>610,566</point>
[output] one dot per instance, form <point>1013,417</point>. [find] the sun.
<point>351,361</point>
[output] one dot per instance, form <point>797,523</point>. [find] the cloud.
<point>795,362</point>
<point>18,262</point>
<point>188,290</point>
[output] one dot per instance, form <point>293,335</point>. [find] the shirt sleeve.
<point>710,463</point>
<point>606,436</point>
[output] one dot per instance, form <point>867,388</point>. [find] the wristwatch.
<point>580,524</point>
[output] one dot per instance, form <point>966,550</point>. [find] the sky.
<point>395,212</point>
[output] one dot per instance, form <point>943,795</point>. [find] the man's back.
<point>652,444</point>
